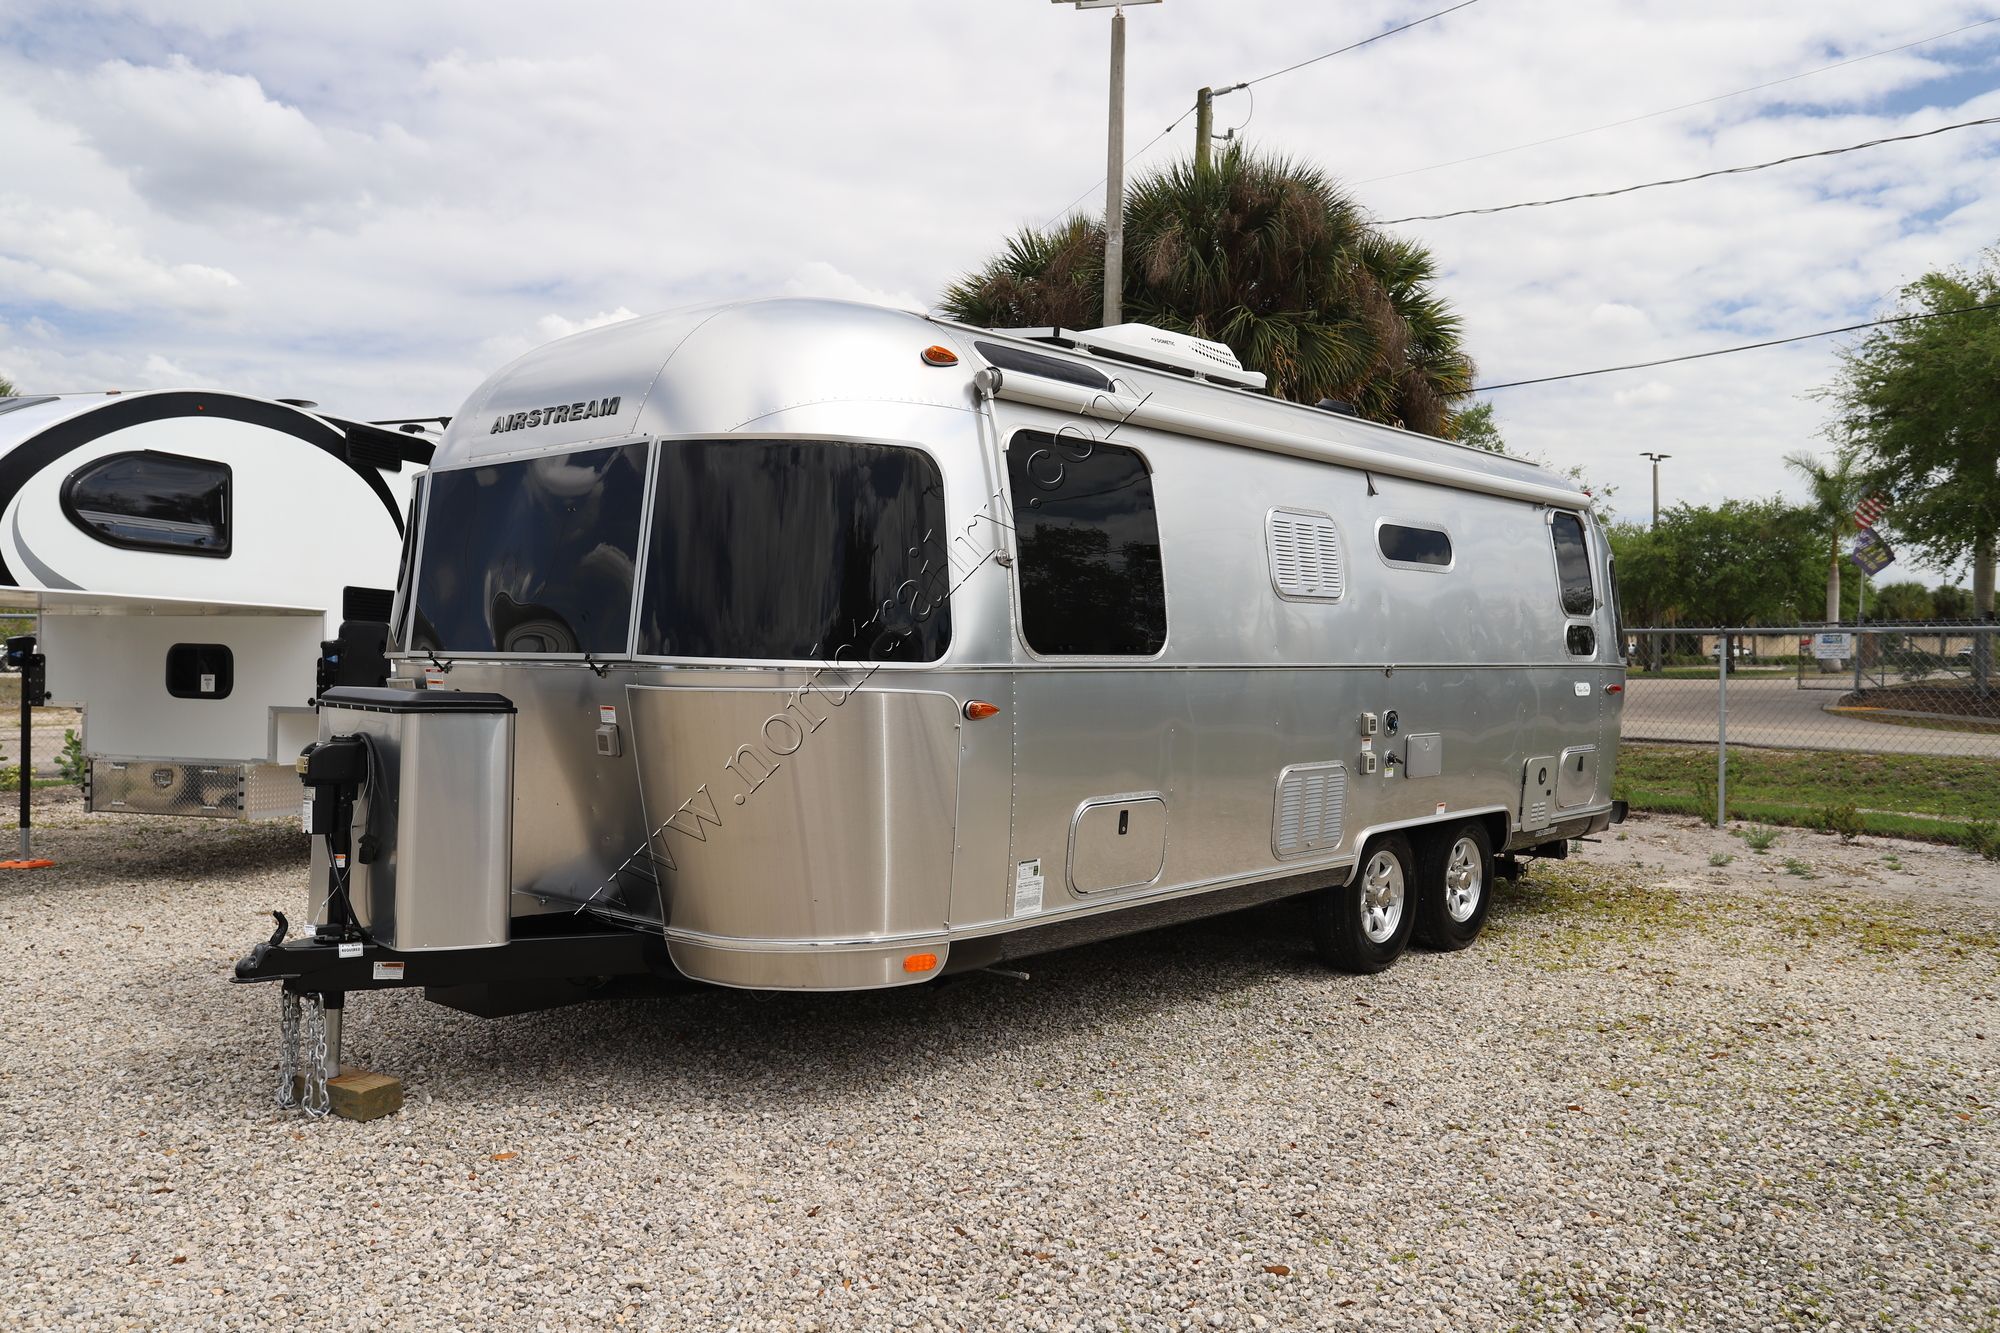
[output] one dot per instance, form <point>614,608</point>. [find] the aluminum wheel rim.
<point>1463,882</point>
<point>1381,897</point>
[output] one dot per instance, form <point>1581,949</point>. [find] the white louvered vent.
<point>1305,556</point>
<point>1311,809</point>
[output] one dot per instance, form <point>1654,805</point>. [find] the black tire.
<point>1454,889</point>
<point>1364,925</point>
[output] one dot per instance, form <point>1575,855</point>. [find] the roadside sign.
<point>1871,554</point>
<point>1832,646</point>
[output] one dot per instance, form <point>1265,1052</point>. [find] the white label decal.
<point>1027,887</point>
<point>388,971</point>
<point>1440,808</point>
<point>350,949</point>
<point>306,814</point>
<point>1367,743</point>
<point>1582,689</point>
<point>607,716</point>
<point>208,682</point>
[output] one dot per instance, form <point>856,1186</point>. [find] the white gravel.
<point>1658,1094</point>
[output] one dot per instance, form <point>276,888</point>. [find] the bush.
<point>1842,819</point>
<point>71,761</point>
<point>1983,836</point>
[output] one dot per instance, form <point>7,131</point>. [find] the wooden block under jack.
<point>360,1094</point>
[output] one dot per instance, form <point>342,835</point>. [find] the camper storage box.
<point>433,824</point>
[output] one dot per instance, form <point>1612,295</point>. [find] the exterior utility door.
<point>1092,811</point>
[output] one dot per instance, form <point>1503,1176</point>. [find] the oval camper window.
<point>148,501</point>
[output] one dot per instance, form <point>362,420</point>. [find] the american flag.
<point>1869,510</point>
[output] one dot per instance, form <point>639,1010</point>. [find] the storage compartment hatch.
<point>1119,842</point>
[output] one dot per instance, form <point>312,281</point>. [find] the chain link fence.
<point>1891,729</point>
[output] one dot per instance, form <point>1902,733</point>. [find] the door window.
<point>1579,594</point>
<point>1091,581</point>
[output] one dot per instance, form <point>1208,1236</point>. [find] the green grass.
<point>1935,798</point>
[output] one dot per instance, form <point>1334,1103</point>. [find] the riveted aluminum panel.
<point>1117,843</point>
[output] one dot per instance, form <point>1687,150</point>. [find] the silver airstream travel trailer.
<point>805,645</point>
<point>161,539</point>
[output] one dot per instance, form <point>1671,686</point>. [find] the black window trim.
<point>522,456</point>
<point>659,442</point>
<point>1428,524</point>
<point>97,534</point>
<point>1012,540</point>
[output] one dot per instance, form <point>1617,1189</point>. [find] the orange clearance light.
<point>935,355</point>
<point>920,962</point>
<point>975,709</point>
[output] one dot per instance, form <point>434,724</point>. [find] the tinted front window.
<point>1404,545</point>
<point>793,549</point>
<point>152,502</point>
<point>413,527</point>
<point>1579,598</point>
<point>1091,581</point>
<point>531,557</point>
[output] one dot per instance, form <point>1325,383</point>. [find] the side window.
<point>1408,546</point>
<point>200,671</point>
<point>151,501</point>
<point>1091,581</point>
<point>788,549</point>
<point>1579,594</point>
<point>1617,607</point>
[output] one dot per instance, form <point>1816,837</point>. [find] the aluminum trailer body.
<point>187,553</point>
<point>842,648</point>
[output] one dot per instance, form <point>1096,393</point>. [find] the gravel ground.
<point>1658,1094</point>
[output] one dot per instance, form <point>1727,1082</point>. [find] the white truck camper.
<point>802,645</point>
<point>160,540</point>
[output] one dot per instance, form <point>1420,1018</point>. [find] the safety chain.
<point>288,1049</point>
<point>316,1101</point>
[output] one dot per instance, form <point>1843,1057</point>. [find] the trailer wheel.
<point>1364,925</point>
<point>1454,889</point>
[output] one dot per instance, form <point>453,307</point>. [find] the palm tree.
<point>1266,255</point>
<point>1833,494</point>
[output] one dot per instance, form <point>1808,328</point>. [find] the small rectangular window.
<point>1091,581</point>
<point>1579,594</point>
<point>796,549</point>
<point>535,556</point>
<point>200,671</point>
<point>149,501</point>
<point>1413,547</point>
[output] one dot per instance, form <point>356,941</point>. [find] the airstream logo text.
<point>555,416</point>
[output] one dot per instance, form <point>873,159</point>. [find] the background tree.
<point>1905,600</point>
<point>1833,491</point>
<point>6,387</point>
<point>1920,405</point>
<point>1266,255</point>
<point>1742,562</point>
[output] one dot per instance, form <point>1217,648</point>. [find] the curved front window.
<point>150,501</point>
<point>535,556</point>
<point>796,549</point>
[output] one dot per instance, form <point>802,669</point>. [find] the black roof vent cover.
<point>1338,406</point>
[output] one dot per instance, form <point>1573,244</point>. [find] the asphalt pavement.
<point>1776,712</point>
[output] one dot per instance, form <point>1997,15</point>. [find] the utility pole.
<point>1657,458</point>
<point>1114,155</point>
<point>1204,126</point>
<point>1114,181</point>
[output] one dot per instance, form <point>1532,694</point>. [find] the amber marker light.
<point>934,355</point>
<point>920,962</point>
<point>975,709</point>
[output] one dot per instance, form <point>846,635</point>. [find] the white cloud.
<point>552,327</point>
<point>377,204</point>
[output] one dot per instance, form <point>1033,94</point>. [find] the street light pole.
<point>1114,153</point>
<point>1657,458</point>
<point>1114,181</point>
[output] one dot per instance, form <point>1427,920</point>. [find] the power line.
<point>1684,106</point>
<point>1745,347</point>
<point>1353,46</point>
<point>1702,176</point>
<point>1248,83</point>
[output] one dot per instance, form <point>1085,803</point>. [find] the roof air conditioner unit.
<point>1175,351</point>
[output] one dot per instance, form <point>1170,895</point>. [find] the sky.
<point>374,205</point>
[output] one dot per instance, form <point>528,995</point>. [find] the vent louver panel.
<point>1311,810</point>
<point>1305,556</point>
